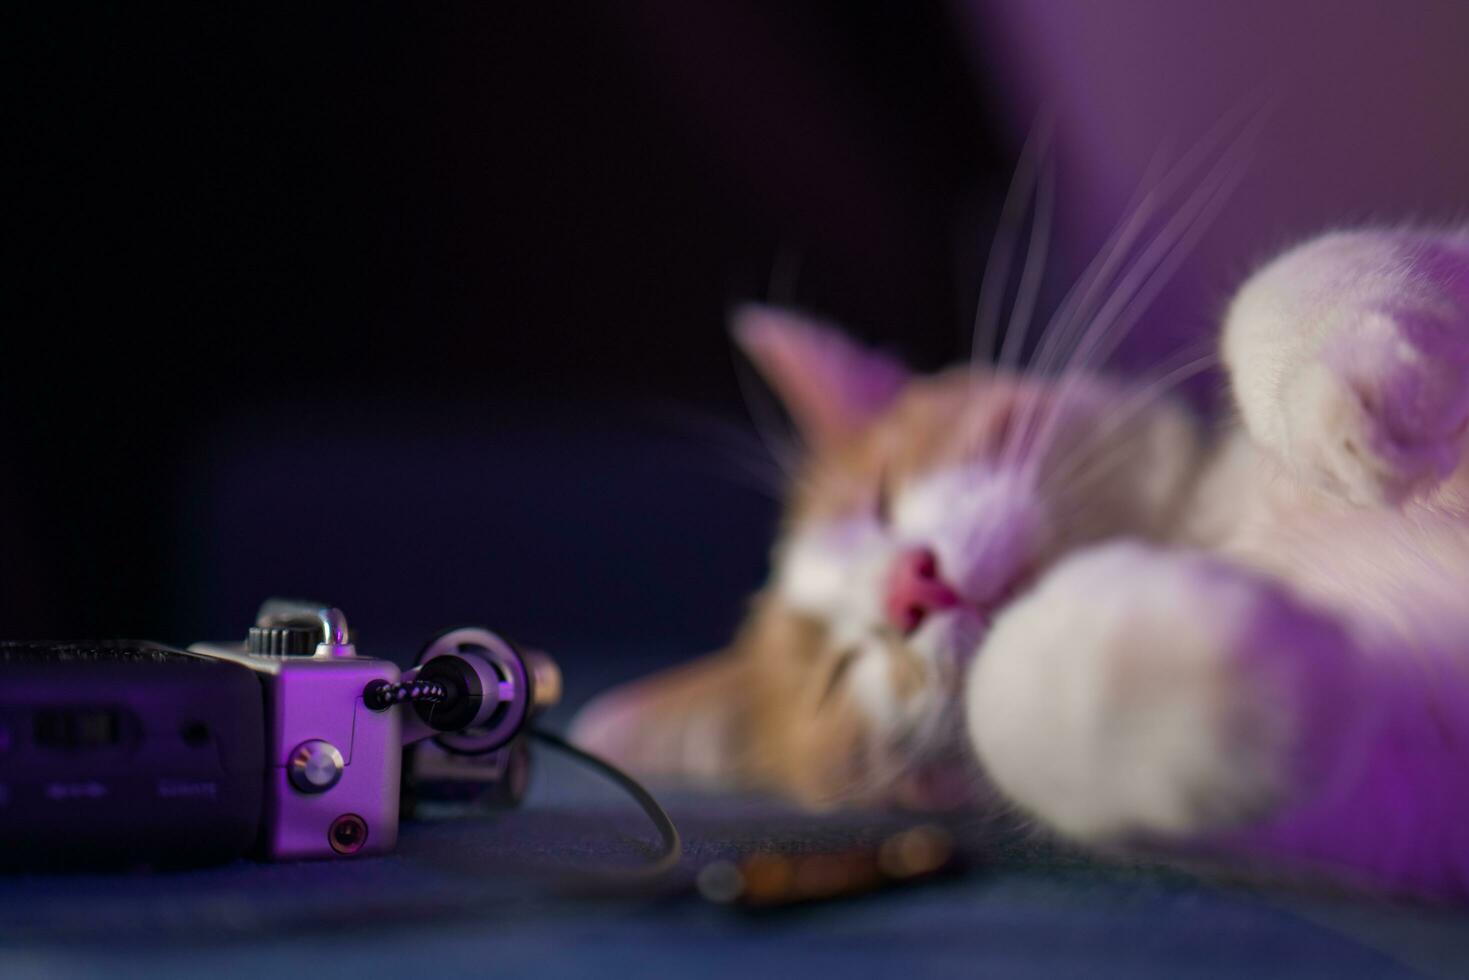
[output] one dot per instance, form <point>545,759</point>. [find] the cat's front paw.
<point>1377,419</point>
<point>1138,692</point>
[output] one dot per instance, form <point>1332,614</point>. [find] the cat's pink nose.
<point>915,589</point>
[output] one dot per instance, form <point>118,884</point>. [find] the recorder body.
<point>289,744</point>
<point>331,763</point>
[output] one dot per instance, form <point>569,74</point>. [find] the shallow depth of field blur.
<point>422,311</point>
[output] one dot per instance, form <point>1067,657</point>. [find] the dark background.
<point>422,309</point>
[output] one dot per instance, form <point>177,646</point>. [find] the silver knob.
<point>315,766</point>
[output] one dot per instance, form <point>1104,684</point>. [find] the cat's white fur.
<point>1108,701</point>
<point>1315,597</point>
<point>835,571</point>
<point>1277,668</point>
<point>1310,632</point>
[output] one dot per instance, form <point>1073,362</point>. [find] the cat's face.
<point>922,506</point>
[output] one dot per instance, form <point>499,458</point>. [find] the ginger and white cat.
<point>1251,644</point>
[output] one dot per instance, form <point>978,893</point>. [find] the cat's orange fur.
<point>772,712</point>
<point>1258,651</point>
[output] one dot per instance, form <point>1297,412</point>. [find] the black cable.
<point>672,844</point>
<point>380,694</point>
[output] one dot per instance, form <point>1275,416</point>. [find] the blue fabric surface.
<point>478,895</point>
<point>486,894</point>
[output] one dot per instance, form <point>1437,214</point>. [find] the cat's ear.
<point>831,385</point>
<point>685,724</point>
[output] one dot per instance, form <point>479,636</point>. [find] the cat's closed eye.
<point>883,499</point>
<point>838,673</point>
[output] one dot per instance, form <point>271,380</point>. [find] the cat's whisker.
<point>1146,198</point>
<point>1079,311</point>
<point>1161,275</point>
<point>1022,481</point>
<point>705,426</point>
<point>1076,489</point>
<point>1007,238</point>
<point>1061,327</point>
<point>1172,245</point>
<point>1033,272</point>
<point>744,472</point>
<point>755,474</point>
<point>1081,302</point>
<point>784,271</point>
<point>780,440</point>
<point>1018,449</point>
<point>1065,468</point>
<point>742,451</point>
<point>1152,270</point>
<point>737,455</point>
<point>1031,276</point>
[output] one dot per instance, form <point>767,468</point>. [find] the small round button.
<point>315,766</point>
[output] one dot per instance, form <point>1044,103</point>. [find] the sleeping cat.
<point>1251,644</point>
